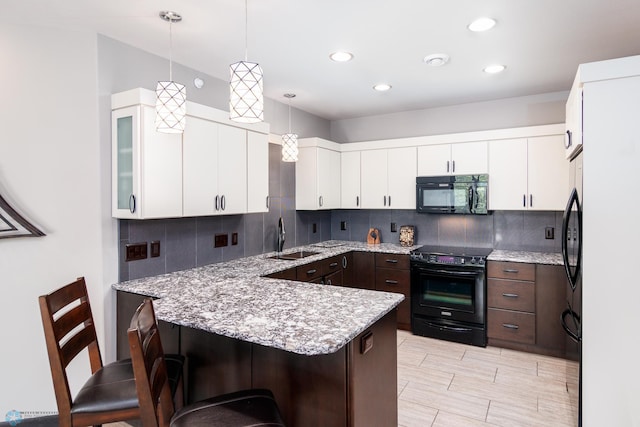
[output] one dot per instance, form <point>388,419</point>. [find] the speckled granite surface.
<point>232,299</point>
<point>549,258</point>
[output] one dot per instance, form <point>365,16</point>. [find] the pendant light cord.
<point>170,49</point>
<point>246,31</point>
<point>289,115</point>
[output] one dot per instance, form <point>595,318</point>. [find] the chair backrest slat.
<point>67,294</point>
<point>76,344</point>
<point>149,367</point>
<point>80,315</point>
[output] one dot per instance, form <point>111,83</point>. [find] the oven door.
<point>454,293</point>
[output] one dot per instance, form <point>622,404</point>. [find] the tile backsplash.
<point>189,242</point>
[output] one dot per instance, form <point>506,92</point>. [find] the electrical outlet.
<point>343,225</point>
<point>220,240</point>
<point>394,227</point>
<point>155,248</point>
<point>548,233</point>
<point>136,251</point>
<point>234,239</point>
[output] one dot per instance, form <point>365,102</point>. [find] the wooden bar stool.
<point>109,395</point>
<point>254,407</point>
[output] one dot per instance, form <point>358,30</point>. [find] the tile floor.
<point>448,384</point>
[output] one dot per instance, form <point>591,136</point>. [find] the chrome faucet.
<point>281,234</point>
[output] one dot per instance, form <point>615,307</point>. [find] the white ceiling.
<point>540,41</point>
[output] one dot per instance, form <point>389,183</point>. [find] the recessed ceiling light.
<point>493,69</point>
<point>481,24</point>
<point>437,59</point>
<point>341,56</point>
<point>382,87</point>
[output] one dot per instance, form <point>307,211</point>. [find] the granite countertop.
<point>233,299</point>
<point>549,258</point>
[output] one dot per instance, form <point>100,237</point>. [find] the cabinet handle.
<point>320,201</point>
<point>530,200</point>
<point>344,262</point>
<point>267,202</point>
<point>333,265</point>
<point>510,326</point>
<point>568,140</point>
<point>453,167</point>
<point>510,270</point>
<point>385,200</point>
<point>447,166</point>
<point>357,200</point>
<point>223,202</point>
<point>389,201</point>
<point>312,271</point>
<point>524,200</point>
<point>510,295</point>
<point>392,261</point>
<point>132,203</point>
<point>391,282</point>
<point>217,206</point>
<point>328,282</point>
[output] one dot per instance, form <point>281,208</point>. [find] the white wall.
<point>50,167</point>
<point>499,114</point>
<point>611,288</point>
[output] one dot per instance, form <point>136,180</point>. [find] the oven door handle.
<point>453,273</point>
<point>449,328</point>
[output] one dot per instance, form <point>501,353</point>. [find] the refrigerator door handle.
<point>576,318</point>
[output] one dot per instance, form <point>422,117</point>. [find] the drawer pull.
<point>392,261</point>
<point>510,326</point>
<point>510,295</point>
<point>333,265</point>
<point>510,270</point>
<point>391,282</point>
<point>312,271</point>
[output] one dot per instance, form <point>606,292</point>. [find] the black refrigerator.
<point>572,257</point>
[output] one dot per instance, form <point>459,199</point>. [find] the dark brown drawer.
<point>331,265</point>
<point>392,261</point>
<point>390,280</point>
<point>511,270</point>
<point>513,326</point>
<point>309,272</point>
<point>511,295</point>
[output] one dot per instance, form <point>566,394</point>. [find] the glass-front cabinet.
<point>146,166</point>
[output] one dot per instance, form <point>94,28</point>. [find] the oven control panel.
<point>448,259</point>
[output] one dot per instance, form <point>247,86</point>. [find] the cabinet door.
<point>401,178</point>
<point>232,169</point>
<point>350,180</point>
<point>373,179</point>
<point>470,158</point>
<point>307,179</point>
<point>161,170</point>
<point>548,173</point>
<point>125,192</point>
<point>434,160</point>
<point>200,178</point>
<point>507,174</point>
<point>257,172</point>
<point>328,179</point>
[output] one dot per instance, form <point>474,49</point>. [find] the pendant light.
<point>290,140</point>
<point>171,101</point>
<point>246,102</point>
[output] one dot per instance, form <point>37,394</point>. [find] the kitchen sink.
<point>294,255</point>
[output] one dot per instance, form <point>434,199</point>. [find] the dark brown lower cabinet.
<point>354,387</point>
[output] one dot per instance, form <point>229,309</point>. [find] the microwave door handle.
<point>455,273</point>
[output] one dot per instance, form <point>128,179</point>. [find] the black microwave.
<point>460,194</point>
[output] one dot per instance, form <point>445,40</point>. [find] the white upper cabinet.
<point>388,178</point>
<point>453,159</point>
<point>573,132</point>
<point>528,174</point>
<point>350,180</point>
<point>215,169</point>
<point>257,172</point>
<point>200,172</point>
<point>317,178</point>
<point>146,166</point>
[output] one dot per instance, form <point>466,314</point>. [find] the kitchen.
<point>63,163</point>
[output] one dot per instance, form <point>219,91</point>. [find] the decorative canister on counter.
<point>407,233</point>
